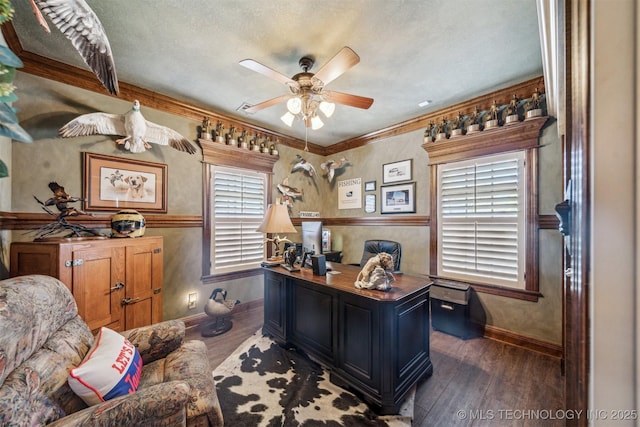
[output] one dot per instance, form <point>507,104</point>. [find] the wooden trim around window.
<point>515,137</point>
<point>227,155</point>
<point>222,155</point>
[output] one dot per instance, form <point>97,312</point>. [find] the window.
<point>238,200</point>
<point>481,213</point>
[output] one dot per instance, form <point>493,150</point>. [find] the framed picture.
<point>113,183</point>
<point>396,172</point>
<point>370,203</point>
<point>399,198</point>
<point>370,186</point>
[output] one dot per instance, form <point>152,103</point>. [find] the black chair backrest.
<point>374,247</point>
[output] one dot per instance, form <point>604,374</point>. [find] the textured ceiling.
<point>445,51</point>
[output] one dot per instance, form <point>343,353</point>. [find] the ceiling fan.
<point>308,93</point>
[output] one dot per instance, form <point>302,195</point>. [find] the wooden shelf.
<point>229,155</point>
<point>512,137</point>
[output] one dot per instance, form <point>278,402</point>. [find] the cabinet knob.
<point>118,285</point>
<point>129,301</point>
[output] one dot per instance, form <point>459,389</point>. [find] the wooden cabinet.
<point>374,342</point>
<point>117,283</point>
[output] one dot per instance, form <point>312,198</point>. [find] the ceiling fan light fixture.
<point>316,123</point>
<point>327,108</point>
<point>294,105</point>
<point>288,118</point>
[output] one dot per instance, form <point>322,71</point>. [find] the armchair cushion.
<point>112,368</point>
<point>156,341</point>
<point>160,405</point>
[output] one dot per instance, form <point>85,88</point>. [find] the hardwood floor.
<point>475,382</point>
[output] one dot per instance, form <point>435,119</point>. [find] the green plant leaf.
<point>4,172</point>
<point>12,97</point>
<point>7,73</point>
<point>8,58</point>
<point>7,114</point>
<point>15,131</point>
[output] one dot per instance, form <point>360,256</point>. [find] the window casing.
<point>237,205</point>
<point>521,137</point>
<point>481,217</point>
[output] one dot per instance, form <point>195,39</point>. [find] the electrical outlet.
<point>191,302</point>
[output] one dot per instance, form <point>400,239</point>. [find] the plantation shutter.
<point>481,220</point>
<point>238,207</point>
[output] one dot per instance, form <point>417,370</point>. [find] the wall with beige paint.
<point>46,105</point>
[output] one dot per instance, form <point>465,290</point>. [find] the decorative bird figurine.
<point>137,131</point>
<point>61,200</point>
<point>220,309</point>
<point>287,191</point>
<point>301,164</point>
<point>331,166</point>
<point>79,24</point>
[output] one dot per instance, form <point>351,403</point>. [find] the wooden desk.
<point>374,342</point>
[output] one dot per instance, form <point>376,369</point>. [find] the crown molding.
<point>54,70</point>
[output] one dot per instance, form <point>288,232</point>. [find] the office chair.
<point>374,247</point>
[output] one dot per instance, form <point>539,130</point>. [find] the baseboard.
<point>512,338</point>
<point>197,319</point>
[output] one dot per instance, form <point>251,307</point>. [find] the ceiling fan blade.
<point>266,71</point>
<point>337,65</point>
<point>347,99</point>
<point>266,104</point>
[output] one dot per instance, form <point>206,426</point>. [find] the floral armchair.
<point>42,338</point>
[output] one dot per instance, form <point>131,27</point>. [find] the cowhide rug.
<point>265,384</point>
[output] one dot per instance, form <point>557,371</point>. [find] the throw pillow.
<point>112,368</point>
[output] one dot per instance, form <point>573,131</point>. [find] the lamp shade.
<point>327,108</point>
<point>316,123</point>
<point>294,105</point>
<point>288,118</point>
<point>277,220</point>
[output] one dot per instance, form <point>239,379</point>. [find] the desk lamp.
<point>276,221</point>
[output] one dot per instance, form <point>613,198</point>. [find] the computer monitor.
<point>312,237</point>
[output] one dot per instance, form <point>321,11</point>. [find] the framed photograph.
<point>399,198</point>
<point>113,183</point>
<point>370,186</point>
<point>396,172</point>
<point>370,203</point>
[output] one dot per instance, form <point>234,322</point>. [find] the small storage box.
<point>450,309</point>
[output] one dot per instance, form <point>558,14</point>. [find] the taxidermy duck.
<point>301,164</point>
<point>287,191</point>
<point>79,24</point>
<point>218,304</point>
<point>137,131</point>
<point>219,309</point>
<point>331,166</point>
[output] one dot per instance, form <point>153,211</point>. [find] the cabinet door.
<point>359,349</point>
<point>275,305</point>
<point>313,320</point>
<point>143,286</point>
<point>98,282</point>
